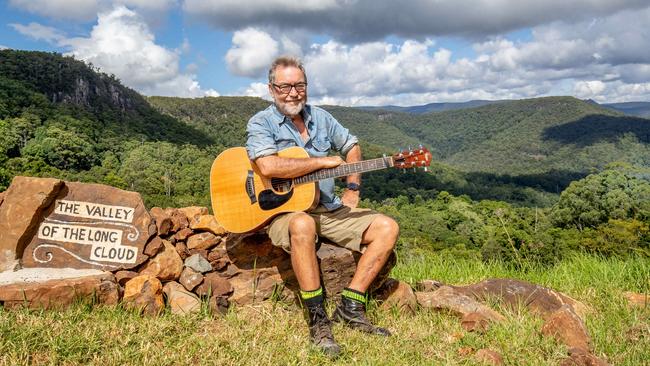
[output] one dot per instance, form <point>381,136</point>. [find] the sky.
<point>356,52</point>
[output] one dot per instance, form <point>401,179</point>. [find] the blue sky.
<point>357,52</point>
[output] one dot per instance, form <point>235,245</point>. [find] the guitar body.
<point>244,200</point>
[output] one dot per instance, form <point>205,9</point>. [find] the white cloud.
<point>256,90</point>
<point>40,32</point>
<point>251,53</point>
<point>589,89</point>
<point>86,10</point>
<point>2,47</point>
<point>605,59</point>
<point>122,44</point>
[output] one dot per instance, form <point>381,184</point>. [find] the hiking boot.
<point>353,314</point>
<point>320,330</point>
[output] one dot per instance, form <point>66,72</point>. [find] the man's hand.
<point>331,161</point>
<point>350,198</point>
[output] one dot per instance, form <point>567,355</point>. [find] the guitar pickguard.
<point>269,200</point>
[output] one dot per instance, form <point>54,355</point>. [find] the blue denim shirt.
<point>269,131</point>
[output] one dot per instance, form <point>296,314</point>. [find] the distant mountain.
<point>639,109</point>
<point>60,117</point>
<point>49,81</point>
<point>432,107</point>
<point>531,136</point>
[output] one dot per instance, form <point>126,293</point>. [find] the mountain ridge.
<point>51,124</point>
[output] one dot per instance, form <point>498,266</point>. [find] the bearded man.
<point>290,121</point>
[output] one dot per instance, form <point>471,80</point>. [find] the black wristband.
<point>354,186</point>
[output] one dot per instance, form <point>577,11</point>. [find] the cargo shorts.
<point>343,226</point>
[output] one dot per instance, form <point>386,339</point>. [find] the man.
<point>292,122</point>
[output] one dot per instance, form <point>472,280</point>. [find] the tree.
<point>61,148</point>
<point>594,200</point>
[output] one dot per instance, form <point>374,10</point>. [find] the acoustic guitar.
<point>244,200</point>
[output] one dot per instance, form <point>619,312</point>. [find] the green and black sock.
<point>312,297</point>
<point>361,297</point>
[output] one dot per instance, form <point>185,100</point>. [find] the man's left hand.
<point>350,198</point>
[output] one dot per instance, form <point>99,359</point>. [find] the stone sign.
<point>90,226</point>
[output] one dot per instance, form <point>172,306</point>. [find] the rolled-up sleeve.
<point>341,138</point>
<point>260,140</point>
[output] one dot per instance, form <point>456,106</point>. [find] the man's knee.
<point>302,226</point>
<point>386,228</point>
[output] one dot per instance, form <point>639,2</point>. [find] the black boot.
<point>353,314</point>
<point>320,330</point>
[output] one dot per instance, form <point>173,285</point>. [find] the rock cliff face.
<point>86,92</point>
<point>66,80</point>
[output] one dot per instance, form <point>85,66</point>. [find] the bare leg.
<point>302,230</point>
<point>380,237</point>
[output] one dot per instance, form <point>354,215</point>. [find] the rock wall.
<point>181,255</point>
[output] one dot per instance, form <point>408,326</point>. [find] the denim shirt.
<point>269,131</point>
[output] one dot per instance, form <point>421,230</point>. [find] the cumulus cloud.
<point>86,10</point>
<point>364,20</point>
<point>122,44</point>
<point>605,59</point>
<point>251,53</point>
<point>589,89</point>
<point>260,90</point>
<point>253,50</point>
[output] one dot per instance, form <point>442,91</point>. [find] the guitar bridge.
<point>250,187</point>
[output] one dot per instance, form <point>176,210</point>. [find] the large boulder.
<point>256,252</point>
<point>514,293</point>
<point>447,298</point>
<point>89,226</point>
<point>55,288</point>
<point>567,327</point>
<point>397,294</point>
<point>21,212</point>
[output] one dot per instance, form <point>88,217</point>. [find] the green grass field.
<point>275,333</point>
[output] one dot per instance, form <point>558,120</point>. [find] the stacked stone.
<point>188,263</point>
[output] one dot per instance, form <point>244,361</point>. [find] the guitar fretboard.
<point>346,169</point>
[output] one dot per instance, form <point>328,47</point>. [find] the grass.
<point>275,333</point>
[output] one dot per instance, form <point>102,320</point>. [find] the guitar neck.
<point>346,169</point>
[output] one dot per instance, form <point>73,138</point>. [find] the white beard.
<point>290,110</point>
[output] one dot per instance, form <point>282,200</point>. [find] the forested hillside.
<point>60,117</point>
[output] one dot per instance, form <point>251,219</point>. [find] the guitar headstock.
<point>412,158</point>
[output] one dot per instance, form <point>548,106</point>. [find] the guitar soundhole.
<point>281,185</point>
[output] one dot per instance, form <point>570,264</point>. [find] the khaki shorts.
<point>344,226</point>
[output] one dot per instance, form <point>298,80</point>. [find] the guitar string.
<point>356,167</point>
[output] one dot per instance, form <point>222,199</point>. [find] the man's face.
<point>291,103</point>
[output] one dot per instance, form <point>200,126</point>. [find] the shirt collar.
<point>281,118</point>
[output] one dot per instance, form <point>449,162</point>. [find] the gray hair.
<point>286,61</point>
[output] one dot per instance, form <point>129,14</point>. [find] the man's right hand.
<point>332,161</point>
